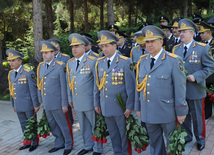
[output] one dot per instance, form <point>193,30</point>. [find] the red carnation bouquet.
<point>43,126</point>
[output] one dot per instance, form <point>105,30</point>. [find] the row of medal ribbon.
<point>85,70</point>
<point>117,76</point>
<point>194,58</point>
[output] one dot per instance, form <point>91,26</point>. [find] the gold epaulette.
<point>173,50</point>
<point>27,70</point>
<point>96,54</point>
<point>202,44</point>
<point>91,57</point>
<point>123,57</point>
<point>172,55</point>
<point>65,54</point>
<point>59,62</point>
<point>212,42</point>
<point>143,56</point>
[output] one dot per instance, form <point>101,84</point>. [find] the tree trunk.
<point>49,16</point>
<point>110,12</point>
<point>130,14</point>
<point>86,16</point>
<point>37,28</point>
<point>0,53</point>
<point>71,4</point>
<point>190,8</point>
<point>101,15</point>
<point>185,8</point>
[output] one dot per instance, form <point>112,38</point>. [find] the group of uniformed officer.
<point>152,82</point>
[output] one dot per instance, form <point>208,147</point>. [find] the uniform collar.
<point>209,41</point>
<point>112,57</point>
<point>57,55</point>
<point>18,69</point>
<point>80,57</point>
<point>188,45</point>
<point>49,63</point>
<point>157,55</point>
<point>87,53</point>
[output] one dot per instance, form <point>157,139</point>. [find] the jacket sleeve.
<point>96,91</point>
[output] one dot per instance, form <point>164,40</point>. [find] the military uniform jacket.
<point>119,79</point>
<point>136,53</point>
<point>200,64</point>
<point>170,43</point>
<point>210,79</point>
<point>62,57</point>
<point>125,50</point>
<point>82,93</point>
<point>25,90</point>
<point>53,94</point>
<point>165,89</point>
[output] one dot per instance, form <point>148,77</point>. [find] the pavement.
<point>11,138</point>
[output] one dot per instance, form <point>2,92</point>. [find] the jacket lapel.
<point>50,68</point>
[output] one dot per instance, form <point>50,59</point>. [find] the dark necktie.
<point>176,41</point>
<point>152,62</point>
<point>16,73</point>
<point>78,63</point>
<point>108,63</point>
<point>206,42</point>
<point>185,51</point>
<point>143,50</point>
<point>47,66</point>
<point>119,48</point>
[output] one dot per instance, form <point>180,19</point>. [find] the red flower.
<point>24,142</point>
<point>169,153</point>
<point>44,136</point>
<point>28,142</point>
<point>209,94</point>
<point>137,150</point>
<point>38,135</point>
<point>104,141</point>
<point>47,134</point>
<point>94,138</point>
<point>144,147</point>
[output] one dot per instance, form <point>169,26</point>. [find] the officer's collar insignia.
<point>103,38</point>
<point>117,60</point>
<point>194,45</point>
<point>183,25</point>
<point>131,66</point>
<point>33,76</point>
<point>149,33</point>
<point>164,56</point>
<point>209,52</point>
<point>181,66</point>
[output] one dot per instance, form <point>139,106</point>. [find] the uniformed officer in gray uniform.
<point>80,85</point>
<point>160,96</point>
<point>138,50</point>
<point>58,55</point>
<point>52,94</point>
<point>199,65</point>
<point>23,92</point>
<point>88,48</point>
<point>114,74</point>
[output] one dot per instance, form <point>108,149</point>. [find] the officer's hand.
<point>14,109</point>
<point>64,109</point>
<point>191,78</point>
<point>181,119</point>
<point>127,113</point>
<point>71,104</point>
<point>36,109</point>
<point>98,110</point>
<point>138,114</point>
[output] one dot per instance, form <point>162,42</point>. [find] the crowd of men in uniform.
<point>150,74</point>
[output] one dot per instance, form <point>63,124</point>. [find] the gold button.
<point>106,81</point>
<point>148,92</point>
<point>148,84</point>
<point>44,83</point>
<point>14,93</point>
<point>75,82</point>
<point>15,97</point>
<point>44,88</point>
<point>106,74</point>
<point>75,88</point>
<point>45,77</point>
<point>161,76</point>
<point>184,62</point>
<point>106,96</point>
<point>14,88</point>
<point>149,76</point>
<point>168,101</point>
<point>76,93</point>
<point>44,94</point>
<point>148,100</point>
<point>106,89</point>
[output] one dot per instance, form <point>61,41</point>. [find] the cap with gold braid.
<point>187,24</point>
<point>54,41</point>
<point>47,46</point>
<point>175,22</point>
<point>152,32</point>
<point>113,28</point>
<point>120,34</point>
<point>13,54</point>
<point>106,37</point>
<point>77,39</point>
<point>132,31</point>
<point>211,21</point>
<point>139,37</point>
<point>163,19</point>
<point>205,27</point>
<point>88,37</point>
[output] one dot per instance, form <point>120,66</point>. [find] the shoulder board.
<point>202,44</point>
<point>41,63</point>
<point>143,55</point>
<point>212,42</point>
<point>59,62</point>
<point>100,58</point>
<point>135,47</point>
<point>176,45</point>
<point>91,57</point>
<point>27,70</point>
<point>123,57</point>
<point>96,54</point>
<point>70,59</point>
<point>172,55</point>
<point>65,54</point>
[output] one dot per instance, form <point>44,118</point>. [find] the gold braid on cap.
<point>102,81</point>
<point>70,83</point>
<point>11,88</point>
<point>142,85</point>
<point>39,83</point>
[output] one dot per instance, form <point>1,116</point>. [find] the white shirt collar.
<point>209,41</point>
<point>188,45</point>
<point>112,57</point>
<point>18,69</point>
<point>177,38</point>
<point>157,55</point>
<point>87,53</point>
<point>170,36</point>
<point>80,58</point>
<point>57,55</point>
<point>49,63</point>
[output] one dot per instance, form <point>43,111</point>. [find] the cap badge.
<point>149,33</point>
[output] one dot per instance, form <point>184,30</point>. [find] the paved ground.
<point>11,138</point>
